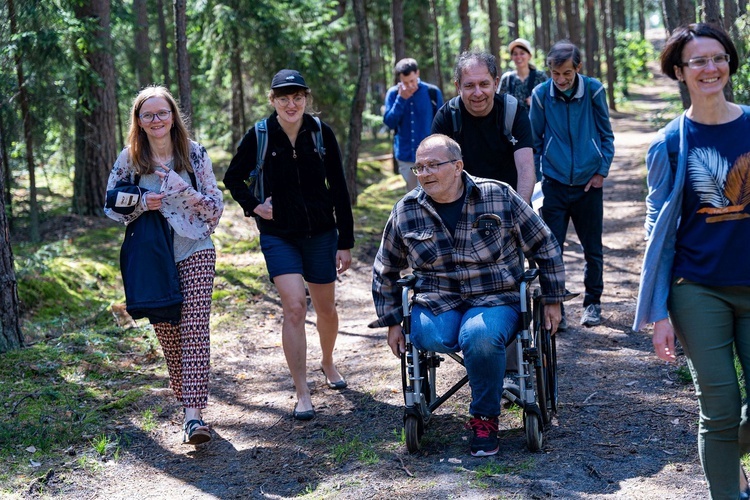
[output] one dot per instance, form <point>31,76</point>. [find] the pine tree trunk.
<point>95,113</point>
<point>463,15</point>
<point>494,27</point>
<point>360,100</point>
<point>183,62</point>
<point>163,43</point>
<point>27,133</point>
<point>11,337</point>
<point>143,69</point>
<point>399,42</point>
<point>436,53</point>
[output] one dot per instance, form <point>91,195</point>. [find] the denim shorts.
<point>314,257</point>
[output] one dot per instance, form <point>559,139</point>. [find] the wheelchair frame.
<point>533,388</point>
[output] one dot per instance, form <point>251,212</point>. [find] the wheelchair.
<point>530,377</point>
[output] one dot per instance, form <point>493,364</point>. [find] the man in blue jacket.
<point>573,150</point>
<point>410,106</point>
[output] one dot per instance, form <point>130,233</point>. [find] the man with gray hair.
<point>476,119</point>
<point>574,147</point>
<point>461,236</point>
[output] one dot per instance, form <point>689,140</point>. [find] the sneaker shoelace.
<point>482,428</point>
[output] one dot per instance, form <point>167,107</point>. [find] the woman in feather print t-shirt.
<point>695,283</point>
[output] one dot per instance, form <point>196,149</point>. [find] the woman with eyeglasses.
<point>174,181</point>
<point>695,283</point>
<point>305,223</point>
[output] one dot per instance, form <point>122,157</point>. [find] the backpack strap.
<point>432,91</point>
<point>530,81</point>
<point>672,139</point>
<point>507,76</point>
<point>510,105</point>
<point>455,116</point>
<point>318,139</point>
<point>261,136</point>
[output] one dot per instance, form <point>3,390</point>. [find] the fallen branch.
<point>408,473</point>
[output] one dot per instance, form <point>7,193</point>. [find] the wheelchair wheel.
<point>534,434</point>
<point>413,429</point>
<point>550,354</point>
<point>542,366</point>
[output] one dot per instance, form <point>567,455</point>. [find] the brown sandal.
<point>195,432</point>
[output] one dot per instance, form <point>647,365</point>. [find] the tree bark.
<point>95,113</point>
<point>592,35</point>
<point>11,337</point>
<point>573,19</point>
<point>143,68</point>
<point>513,16</point>
<point>6,177</point>
<point>183,63</point>
<point>562,30</point>
<point>360,100</point>
<point>239,122</point>
<point>494,27</point>
<point>545,6</point>
<point>436,53</point>
<point>163,43</point>
<point>23,99</point>
<point>399,43</point>
<point>605,11</point>
<point>463,15</point>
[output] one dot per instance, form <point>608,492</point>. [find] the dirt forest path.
<point>626,426</point>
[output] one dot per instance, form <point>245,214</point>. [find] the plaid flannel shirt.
<point>476,267</point>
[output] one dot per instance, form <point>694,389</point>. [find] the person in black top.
<point>305,223</point>
<point>487,152</point>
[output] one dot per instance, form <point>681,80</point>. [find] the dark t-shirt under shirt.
<point>486,152</point>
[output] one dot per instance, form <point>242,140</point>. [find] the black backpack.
<point>510,106</point>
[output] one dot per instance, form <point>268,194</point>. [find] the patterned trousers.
<point>186,346</point>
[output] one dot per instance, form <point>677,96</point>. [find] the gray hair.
<point>469,57</point>
<point>451,146</point>
<point>561,52</point>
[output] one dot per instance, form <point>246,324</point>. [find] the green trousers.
<point>711,323</point>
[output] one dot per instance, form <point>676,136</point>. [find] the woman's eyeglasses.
<point>428,168</point>
<point>298,100</point>
<point>149,117</point>
<point>702,62</point>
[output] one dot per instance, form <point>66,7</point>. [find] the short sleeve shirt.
<point>485,149</point>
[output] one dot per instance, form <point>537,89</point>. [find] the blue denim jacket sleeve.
<point>663,208</point>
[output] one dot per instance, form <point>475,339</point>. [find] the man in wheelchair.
<point>461,236</point>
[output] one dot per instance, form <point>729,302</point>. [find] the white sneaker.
<point>592,315</point>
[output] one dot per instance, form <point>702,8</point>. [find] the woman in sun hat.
<point>521,82</point>
<point>305,222</point>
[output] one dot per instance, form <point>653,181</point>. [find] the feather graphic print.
<point>727,191</point>
<point>708,170</point>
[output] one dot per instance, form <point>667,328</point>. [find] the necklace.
<point>166,161</point>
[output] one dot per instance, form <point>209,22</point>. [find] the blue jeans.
<point>563,203</point>
<point>481,333</point>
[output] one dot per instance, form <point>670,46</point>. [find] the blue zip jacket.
<point>573,138</point>
<point>411,118</point>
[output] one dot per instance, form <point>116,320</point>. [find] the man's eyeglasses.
<point>149,117</point>
<point>702,62</point>
<point>428,168</point>
<point>298,100</point>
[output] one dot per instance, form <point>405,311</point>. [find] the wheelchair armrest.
<point>407,281</point>
<point>529,275</point>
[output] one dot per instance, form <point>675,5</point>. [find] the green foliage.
<point>741,79</point>
<point>632,52</point>
<point>64,282</point>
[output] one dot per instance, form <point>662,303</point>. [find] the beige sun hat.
<point>520,42</point>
